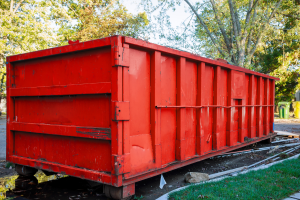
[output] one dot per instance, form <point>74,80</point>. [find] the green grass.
<point>276,182</point>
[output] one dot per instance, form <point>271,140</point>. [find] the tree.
<point>31,25</point>
<point>25,26</point>
<point>98,19</point>
<point>262,35</point>
<point>229,29</point>
<point>280,55</point>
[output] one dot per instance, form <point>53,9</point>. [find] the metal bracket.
<point>121,164</point>
<point>121,56</point>
<point>121,112</point>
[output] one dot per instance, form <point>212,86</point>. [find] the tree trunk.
<point>1,60</point>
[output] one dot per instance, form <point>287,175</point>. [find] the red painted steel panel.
<point>141,153</point>
<point>168,116</point>
<point>63,130</point>
<point>207,113</point>
<point>89,66</point>
<point>155,113</point>
<point>122,110</point>
<point>150,46</point>
<point>222,119</point>
<point>90,88</point>
<point>80,110</point>
<point>76,152</point>
<point>191,94</point>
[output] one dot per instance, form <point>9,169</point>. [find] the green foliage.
<point>276,182</point>
<point>3,82</point>
<point>138,198</point>
<point>98,19</point>
<point>279,55</point>
<point>229,29</point>
<point>25,26</point>
<point>31,25</point>
<point>8,165</point>
<point>275,52</point>
<point>287,86</point>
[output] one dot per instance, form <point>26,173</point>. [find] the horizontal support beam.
<point>62,130</point>
<point>214,106</point>
<point>63,169</point>
<point>63,49</point>
<point>74,89</point>
<point>155,47</point>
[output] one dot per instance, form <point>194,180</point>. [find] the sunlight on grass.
<point>276,182</point>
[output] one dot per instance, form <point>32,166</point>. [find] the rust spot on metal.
<point>99,133</point>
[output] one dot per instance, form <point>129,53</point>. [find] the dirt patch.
<point>6,171</point>
<point>287,121</point>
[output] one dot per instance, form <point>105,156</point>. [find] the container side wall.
<point>223,102</point>
<point>254,99</point>
<point>168,115</point>
<point>191,94</point>
<point>206,118</point>
<point>141,152</point>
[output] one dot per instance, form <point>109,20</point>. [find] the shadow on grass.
<point>276,182</point>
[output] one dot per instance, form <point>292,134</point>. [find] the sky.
<point>176,17</point>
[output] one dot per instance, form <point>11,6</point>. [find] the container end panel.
<point>76,110</point>
<point>82,67</point>
<point>71,151</point>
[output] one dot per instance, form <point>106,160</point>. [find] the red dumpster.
<point>119,110</point>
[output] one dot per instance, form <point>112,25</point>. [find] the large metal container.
<point>119,110</point>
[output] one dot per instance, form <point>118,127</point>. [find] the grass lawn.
<point>276,182</point>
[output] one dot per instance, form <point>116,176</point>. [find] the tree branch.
<point>263,28</point>
<point>247,24</point>
<point>237,19</point>
<point>227,42</point>
<point>248,13</point>
<point>250,33</point>
<point>205,27</point>
<point>292,16</point>
<point>234,24</point>
<point>253,6</point>
<point>17,7</point>
<point>11,9</point>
